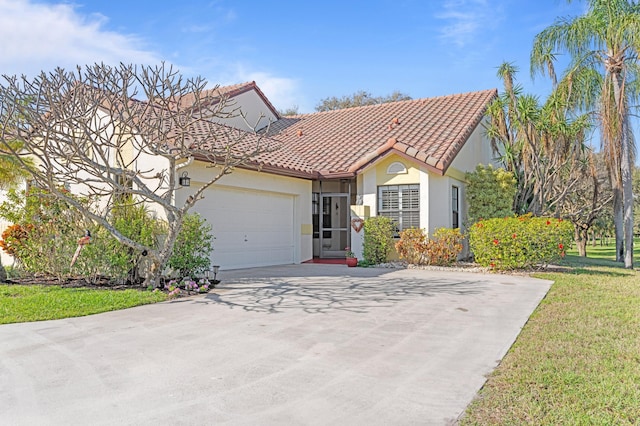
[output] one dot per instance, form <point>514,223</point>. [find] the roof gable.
<point>219,93</point>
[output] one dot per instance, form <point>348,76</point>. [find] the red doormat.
<point>338,261</point>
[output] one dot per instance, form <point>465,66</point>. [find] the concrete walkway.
<point>294,345</point>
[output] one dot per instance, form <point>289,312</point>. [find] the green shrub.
<point>52,229</point>
<point>490,193</point>
<point>192,250</point>
<point>519,242</point>
<point>45,236</point>
<point>378,239</point>
<point>442,248</point>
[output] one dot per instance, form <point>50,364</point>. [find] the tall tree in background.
<point>359,98</point>
<point>603,43</point>
<point>539,144</point>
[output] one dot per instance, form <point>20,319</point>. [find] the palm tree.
<point>12,171</point>
<point>540,144</point>
<point>605,40</point>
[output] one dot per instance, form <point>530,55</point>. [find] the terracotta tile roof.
<point>341,142</point>
<point>211,141</point>
<point>274,156</point>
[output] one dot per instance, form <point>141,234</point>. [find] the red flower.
<point>560,246</point>
<point>514,236</point>
<point>493,265</point>
<point>548,222</point>
<point>496,242</point>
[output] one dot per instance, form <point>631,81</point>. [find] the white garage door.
<point>251,228</point>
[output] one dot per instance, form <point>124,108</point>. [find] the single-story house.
<point>405,160</point>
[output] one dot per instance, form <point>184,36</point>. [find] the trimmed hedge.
<point>519,242</point>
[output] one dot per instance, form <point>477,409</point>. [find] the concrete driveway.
<point>294,345</point>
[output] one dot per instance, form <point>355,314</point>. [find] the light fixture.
<point>184,180</point>
<point>207,274</point>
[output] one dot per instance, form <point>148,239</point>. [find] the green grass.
<point>22,303</point>
<point>577,361</point>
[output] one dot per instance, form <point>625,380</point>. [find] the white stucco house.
<point>405,160</point>
<point>402,159</point>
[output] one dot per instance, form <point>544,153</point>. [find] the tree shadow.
<point>325,294</point>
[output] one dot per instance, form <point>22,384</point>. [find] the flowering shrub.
<point>442,248</point>
<point>174,287</point>
<point>519,242</point>
<point>14,238</point>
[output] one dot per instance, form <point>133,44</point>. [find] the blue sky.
<point>298,52</point>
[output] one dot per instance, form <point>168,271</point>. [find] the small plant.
<point>349,253</point>
<point>378,239</point>
<point>442,248</point>
<point>192,250</point>
<point>412,245</point>
<point>204,285</point>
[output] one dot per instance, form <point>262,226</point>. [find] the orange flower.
<point>514,236</point>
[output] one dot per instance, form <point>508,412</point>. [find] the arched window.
<point>396,168</point>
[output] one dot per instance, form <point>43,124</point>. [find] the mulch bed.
<point>75,282</point>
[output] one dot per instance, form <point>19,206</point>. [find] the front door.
<point>334,224</point>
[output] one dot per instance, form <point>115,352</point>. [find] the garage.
<point>250,228</point>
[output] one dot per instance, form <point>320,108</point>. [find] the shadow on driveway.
<point>324,293</point>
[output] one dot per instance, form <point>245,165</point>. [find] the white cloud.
<point>38,37</point>
<point>282,92</point>
<point>465,19</point>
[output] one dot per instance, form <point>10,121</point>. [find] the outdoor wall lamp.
<point>184,180</point>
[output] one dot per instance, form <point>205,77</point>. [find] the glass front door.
<point>334,225</point>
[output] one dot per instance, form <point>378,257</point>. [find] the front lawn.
<point>23,303</point>
<point>577,361</point>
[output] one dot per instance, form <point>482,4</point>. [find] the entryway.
<point>331,218</point>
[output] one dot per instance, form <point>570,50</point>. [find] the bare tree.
<point>590,196</point>
<point>86,132</point>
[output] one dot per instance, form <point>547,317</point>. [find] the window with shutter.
<point>401,203</point>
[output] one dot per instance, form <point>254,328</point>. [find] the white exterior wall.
<point>476,151</point>
<point>257,114</point>
<point>259,186</point>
